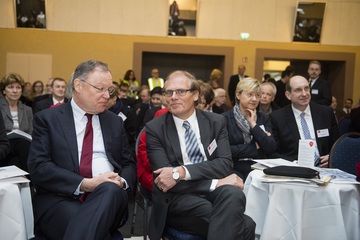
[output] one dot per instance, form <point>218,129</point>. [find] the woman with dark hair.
<point>37,89</point>
<point>130,79</point>
<point>16,116</point>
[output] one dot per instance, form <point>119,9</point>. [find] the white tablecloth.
<point>16,214</point>
<point>300,211</point>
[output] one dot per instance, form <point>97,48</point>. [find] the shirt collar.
<point>298,112</point>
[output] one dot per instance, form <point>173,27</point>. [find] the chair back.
<point>344,125</point>
<point>345,152</point>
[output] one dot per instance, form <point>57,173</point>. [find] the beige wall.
<point>69,49</point>
<point>265,20</point>
<point>107,30</point>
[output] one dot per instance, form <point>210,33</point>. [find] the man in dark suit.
<point>320,89</point>
<point>57,97</point>
<point>194,193</point>
<point>280,98</point>
<point>234,79</point>
<point>77,198</point>
<point>287,127</point>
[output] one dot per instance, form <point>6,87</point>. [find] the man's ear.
<point>288,95</point>
<point>77,85</point>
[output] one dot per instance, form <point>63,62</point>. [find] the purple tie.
<point>86,152</point>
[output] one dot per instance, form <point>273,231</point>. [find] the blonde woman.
<point>250,132</point>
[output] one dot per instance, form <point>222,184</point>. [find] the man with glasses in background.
<point>188,149</point>
<point>80,161</point>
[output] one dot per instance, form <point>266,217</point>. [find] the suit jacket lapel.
<point>291,121</point>
<point>172,139</point>
<point>204,127</point>
<point>66,122</point>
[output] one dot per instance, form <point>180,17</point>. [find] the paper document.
<point>266,163</point>
<point>11,171</point>
<point>19,134</point>
<point>337,175</point>
<point>306,155</point>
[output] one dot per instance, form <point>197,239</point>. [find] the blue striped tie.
<point>192,147</point>
<point>306,131</point>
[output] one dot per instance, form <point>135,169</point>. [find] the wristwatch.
<point>176,175</point>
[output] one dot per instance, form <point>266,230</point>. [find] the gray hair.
<point>82,71</point>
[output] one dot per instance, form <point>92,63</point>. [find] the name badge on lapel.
<point>322,133</point>
<point>211,148</point>
<point>315,91</point>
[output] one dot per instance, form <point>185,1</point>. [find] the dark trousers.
<point>97,218</point>
<point>217,215</point>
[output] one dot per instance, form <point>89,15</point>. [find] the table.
<point>16,214</point>
<point>301,211</point>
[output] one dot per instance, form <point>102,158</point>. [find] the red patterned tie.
<point>86,153</point>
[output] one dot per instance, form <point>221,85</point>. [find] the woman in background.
<point>130,79</point>
<point>250,132</point>
<point>16,116</point>
<point>37,89</point>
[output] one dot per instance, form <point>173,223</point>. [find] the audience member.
<point>157,104</point>
<point>49,85</point>
<point>287,123</point>
<point>266,77</point>
<point>206,96</point>
<point>155,80</point>
<point>280,98</point>
<point>338,114</point>
<point>215,78</point>
<point>219,105</point>
<point>27,89</point>
<point>127,114</point>
<point>130,79</point>
<point>16,116</point>
<point>124,95</point>
<point>320,89</point>
<point>56,98</point>
<point>347,107</point>
<point>46,95</point>
<point>81,186</point>
<point>37,89</point>
<point>4,143</point>
<point>141,108</point>
<point>194,189</point>
<point>234,79</point>
<point>249,130</point>
<point>266,103</point>
<point>291,69</point>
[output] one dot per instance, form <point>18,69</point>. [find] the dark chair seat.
<point>173,234</point>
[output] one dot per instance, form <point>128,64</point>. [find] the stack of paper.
<point>261,164</point>
<point>12,174</point>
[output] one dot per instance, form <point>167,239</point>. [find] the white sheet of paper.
<point>11,171</point>
<point>307,148</point>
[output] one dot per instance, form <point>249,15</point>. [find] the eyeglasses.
<point>179,92</point>
<point>252,94</point>
<point>110,90</point>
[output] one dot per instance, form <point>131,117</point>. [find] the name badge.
<point>315,91</point>
<point>322,133</point>
<point>211,148</point>
<point>122,116</point>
